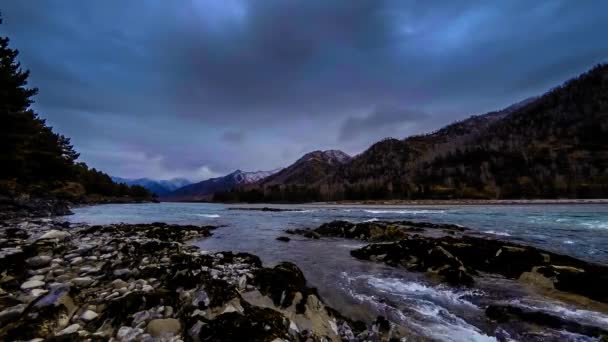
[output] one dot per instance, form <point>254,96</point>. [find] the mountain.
<point>204,190</point>
<point>159,187</point>
<point>552,146</point>
<point>309,169</point>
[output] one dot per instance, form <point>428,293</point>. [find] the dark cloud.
<point>234,136</point>
<point>382,122</point>
<point>162,88</point>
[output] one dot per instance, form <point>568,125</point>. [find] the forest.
<point>35,160</point>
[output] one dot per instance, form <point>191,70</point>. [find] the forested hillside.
<point>36,161</point>
<point>553,146</point>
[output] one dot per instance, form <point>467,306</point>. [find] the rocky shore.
<point>67,282</point>
<point>456,256</point>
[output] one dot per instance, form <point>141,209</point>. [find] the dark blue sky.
<point>198,88</point>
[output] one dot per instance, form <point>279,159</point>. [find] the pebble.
<point>39,261</point>
<point>54,234</point>
<point>89,315</point>
<point>162,326</point>
<point>82,281</point>
<point>69,330</point>
<point>31,284</point>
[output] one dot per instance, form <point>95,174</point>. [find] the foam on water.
<point>494,232</point>
<point>405,211</point>
<point>563,310</point>
<point>418,290</point>
<point>595,224</point>
<point>427,316</point>
<point>208,215</point>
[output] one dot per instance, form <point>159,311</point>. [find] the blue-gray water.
<point>365,289</point>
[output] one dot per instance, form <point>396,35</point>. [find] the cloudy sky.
<point>198,88</point>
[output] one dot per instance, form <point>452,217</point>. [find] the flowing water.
<point>363,290</point>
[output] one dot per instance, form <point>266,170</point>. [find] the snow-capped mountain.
<point>204,190</point>
<point>159,187</point>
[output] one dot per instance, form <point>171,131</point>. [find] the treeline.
<point>554,146</point>
<point>35,160</point>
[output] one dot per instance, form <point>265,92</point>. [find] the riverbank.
<point>70,282</point>
<point>458,257</point>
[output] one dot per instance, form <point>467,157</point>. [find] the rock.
<point>457,259</point>
<point>72,329</point>
<point>128,333</point>
<point>505,313</point>
<point>119,283</point>
<point>82,281</point>
<point>11,313</point>
<point>242,282</point>
<point>123,273</point>
<point>39,261</point>
<point>283,238</point>
<point>55,234</point>
<point>88,315</point>
<point>77,261</point>
<point>163,326</point>
<point>31,284</point>
<point>38,292</point>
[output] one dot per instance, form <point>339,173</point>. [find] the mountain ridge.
<point>551,146</point>
<point>204,190</point>
<point>159,187</point>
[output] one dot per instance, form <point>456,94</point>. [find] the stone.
<point>39,292</point>
<point>128,334</point>
<point>283,238</point>
<point>39,261</point>
<point>163,326</point>
<point>119,283</point>
<point>72,329</point>
<point>122,273</point>
<point>77,261</point>
<point>242,282</point>
<point>12,313</point>
<point>82,281</point>
<point>31,284</point>
<point>55,234</point>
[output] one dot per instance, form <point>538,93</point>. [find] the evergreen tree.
<point>32,156</point>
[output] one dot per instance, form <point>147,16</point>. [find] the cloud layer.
<point>199,88</point>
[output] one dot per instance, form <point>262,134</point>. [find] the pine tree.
<point>30,152</point>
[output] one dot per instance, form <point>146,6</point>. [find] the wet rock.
<point>457,259</point>
<point>281,283</point>
<point>376,231</point>
<point>505,313</point>
<point>283,238</point>
<point>163,326</point>
<point>255,324</point>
